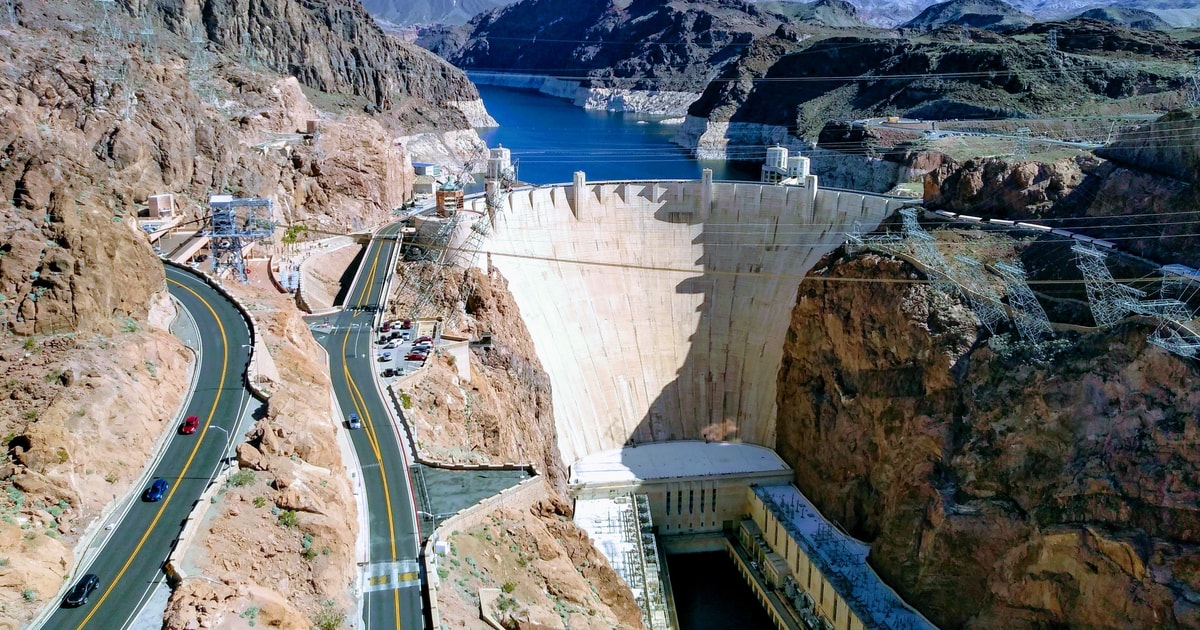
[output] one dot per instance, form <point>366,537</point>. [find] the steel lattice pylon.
<point>921,244</point>
<point>1027,312</point>
<point>984,299</point>
<point>230,234</point>
<point>1110,302</point>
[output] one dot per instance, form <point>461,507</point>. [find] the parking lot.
<point>398,350</point>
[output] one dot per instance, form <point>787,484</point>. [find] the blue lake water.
<point>550,139</point>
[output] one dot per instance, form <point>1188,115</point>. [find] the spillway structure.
<point>659,308</point>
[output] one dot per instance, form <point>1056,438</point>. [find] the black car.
<point>78,595</point>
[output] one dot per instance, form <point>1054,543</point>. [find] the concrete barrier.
<point>251,371</point>
<point>174,566</point>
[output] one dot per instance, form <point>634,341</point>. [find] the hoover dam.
<point>659,308</point>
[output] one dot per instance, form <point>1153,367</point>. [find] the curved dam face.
<point>659,309</point>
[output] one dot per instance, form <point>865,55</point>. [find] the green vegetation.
<point>30,343</point>
<point>29,594</point>
<point>508,587</point>
<point>443,572</point>
<point>259,501</point>
<point>243,477</point>
<point>250,615</point>
<point>406,401</point>
<point>287,518</point>
<point>330,617</point>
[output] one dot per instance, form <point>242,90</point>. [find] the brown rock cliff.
<point>996,492</point>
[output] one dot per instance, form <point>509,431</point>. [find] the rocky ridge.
<point>1141,191</point>
<point>985,14</point>
<point>997,492</point>
<point>993,76</point>
<point>626,47</point>
<point>332,47</point>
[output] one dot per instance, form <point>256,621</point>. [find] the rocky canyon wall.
<point>996,491</point>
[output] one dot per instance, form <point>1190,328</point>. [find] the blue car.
<point>157,489</point>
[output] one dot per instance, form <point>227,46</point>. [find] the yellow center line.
<point>360,405</point>
<point>174,486</point>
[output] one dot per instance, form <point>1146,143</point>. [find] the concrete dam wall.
<point>659,309</point>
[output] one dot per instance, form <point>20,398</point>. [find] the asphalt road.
<point>393,573</point>
<point>130,563</point>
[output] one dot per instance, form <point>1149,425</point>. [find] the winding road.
<point>392,584</point>
<point>130,563</point>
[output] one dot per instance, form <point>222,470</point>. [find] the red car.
<point>190,424</point>
<point>415,356</point>
<point>421,340</point>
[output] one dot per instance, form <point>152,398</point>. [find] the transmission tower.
<point>1027,312</point>
<point>981,294</point>
<point>200,65</point>
<point>146,39</point>
<point>1192,87</point>
<point>230,234</point>
<point>1110,302</point>
<point>964,35</point>
<point>11,5</point>
<point>921,243</point>
<point>1052,40</point>
<point>1021,144</point>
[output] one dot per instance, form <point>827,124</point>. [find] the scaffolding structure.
<point>980,293</point>
<point>968,277</point>
<point>229,234</point>
<point>1111,301</point>
<point>1027,313</point>
<point>624,532</point>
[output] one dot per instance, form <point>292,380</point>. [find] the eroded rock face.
<point>997,493</point>
<point>999,188</point>
<point>334,47</point>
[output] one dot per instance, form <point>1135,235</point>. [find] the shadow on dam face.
<point>659,309</point>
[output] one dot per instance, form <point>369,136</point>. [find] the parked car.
<point>385,327</point>
<point>391,345</point>
<point>415,356</point>
<point>386,356</point>
<point>406,324</point>
<point>190,424</point>
<point>405,337</point>
<point>424,340</point>
<point>78,595</point>
<point>156,491</point>
<point>353,422</point>
<point>388,372</point>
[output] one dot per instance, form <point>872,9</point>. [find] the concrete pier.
<point>659,309</point>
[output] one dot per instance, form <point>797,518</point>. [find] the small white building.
<point>780,168</point>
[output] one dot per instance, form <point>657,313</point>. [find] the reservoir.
<point>550,139</point>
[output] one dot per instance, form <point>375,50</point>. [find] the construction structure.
<point>230,234</point>
<point>1111,301</point>
<point>622,529</point>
